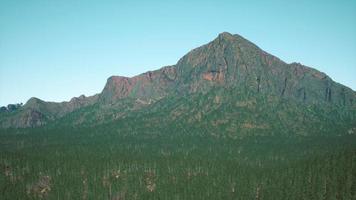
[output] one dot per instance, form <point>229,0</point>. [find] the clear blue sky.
<point>55,50</point>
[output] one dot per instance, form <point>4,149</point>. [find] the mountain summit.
<point>229,85</point>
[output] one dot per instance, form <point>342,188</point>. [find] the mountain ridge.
<point>229,62</point>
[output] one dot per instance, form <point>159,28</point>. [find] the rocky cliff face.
<point>228,63</point>
<point>150,85</point>
<point>231,61</point>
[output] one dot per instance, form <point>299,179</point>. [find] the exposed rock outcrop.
<point>230,62</point>
<point>150,85</point>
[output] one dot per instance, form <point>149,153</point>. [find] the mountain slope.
<point>228,85</point>
<point>37,112</point>
<point>232,61</point>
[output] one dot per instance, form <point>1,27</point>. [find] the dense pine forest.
<point>85,163</point>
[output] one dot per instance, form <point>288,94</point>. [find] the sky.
<point>55,50</point>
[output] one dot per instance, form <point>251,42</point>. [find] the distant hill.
<point>227,87</point>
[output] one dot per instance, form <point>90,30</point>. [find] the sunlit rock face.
<point>228,63</point>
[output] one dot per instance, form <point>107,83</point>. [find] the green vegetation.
<point>228,121</point>
<point>107,163</point>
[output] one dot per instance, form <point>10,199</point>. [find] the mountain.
<point>37,112</point>
<point>228,86</point>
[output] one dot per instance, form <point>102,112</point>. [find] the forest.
<point>105,163</point>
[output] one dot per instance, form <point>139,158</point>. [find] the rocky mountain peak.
<point>226,36</point>
<point>33,102</point>
<point>231,61</point>
<point>228,63</point>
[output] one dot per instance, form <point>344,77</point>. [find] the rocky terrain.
<point>229,84</point>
